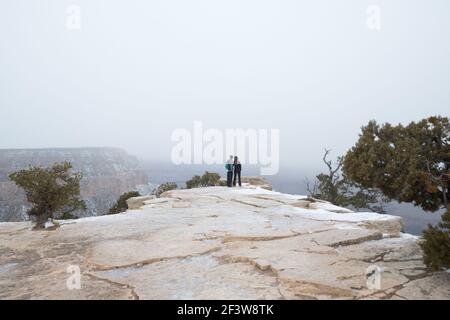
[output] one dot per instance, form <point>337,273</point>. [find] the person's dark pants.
<point>229,178</point>
<point>238,174</point>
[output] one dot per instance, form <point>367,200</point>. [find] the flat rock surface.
<point>219,243</point>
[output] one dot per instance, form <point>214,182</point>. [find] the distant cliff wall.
<point>108,172</point>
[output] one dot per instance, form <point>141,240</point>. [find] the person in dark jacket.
<point>229,167</point>
<point>237,167</point>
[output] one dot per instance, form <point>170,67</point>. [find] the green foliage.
<point>436,244</point>
<point>407,163</point>
<point>67,216</point>
<point>206,180</point>
<point>222,183</point>
<point>121,203</point>
<point>163,188</point>
<point>336,188</point>
<point>194,182</point>
<point>53,191</point>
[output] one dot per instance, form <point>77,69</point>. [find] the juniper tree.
<point>335,187</point>
<point>121,203</point>
<point>163,188</point>
<point>52,191</point>
<point>206,180</point>
<point>436,244</point>
<point>408,164</point>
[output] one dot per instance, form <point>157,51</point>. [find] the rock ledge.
<point>219,243</point>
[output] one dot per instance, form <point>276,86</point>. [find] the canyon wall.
<point>108,172</point>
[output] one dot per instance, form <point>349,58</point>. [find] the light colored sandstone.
<point>257,181</point>
<point>137,202</point>
<point>219,243</point>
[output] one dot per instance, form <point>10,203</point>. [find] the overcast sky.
<point>137,70</point>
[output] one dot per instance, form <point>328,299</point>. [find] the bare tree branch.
<point>312,191</point>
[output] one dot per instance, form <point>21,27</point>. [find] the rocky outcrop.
<point>138,202</point>
<point>257,181</point>
<point>108,172</point>
<point>220,243</point>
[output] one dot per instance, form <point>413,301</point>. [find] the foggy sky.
<point>137,70</point>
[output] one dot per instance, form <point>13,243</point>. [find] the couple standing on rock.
<point>233,166</point>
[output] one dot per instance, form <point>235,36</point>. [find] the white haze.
<point>137,70</point>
